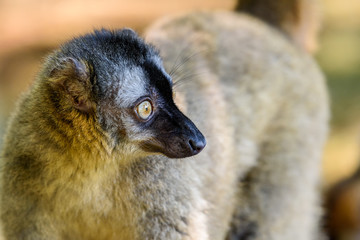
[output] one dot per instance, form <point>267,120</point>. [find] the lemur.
<point>102,145</point>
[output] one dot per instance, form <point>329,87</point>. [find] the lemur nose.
<point>197,145</point>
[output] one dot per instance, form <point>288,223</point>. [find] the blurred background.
<point>30,29</point>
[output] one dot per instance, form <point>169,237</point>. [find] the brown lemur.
<point>96,148</point>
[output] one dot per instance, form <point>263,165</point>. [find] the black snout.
<point>175,135</point>
<point>196,145</point>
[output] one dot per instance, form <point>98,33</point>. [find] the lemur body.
<point>79,157</point>
<point>268,101</point>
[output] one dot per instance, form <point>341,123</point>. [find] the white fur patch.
<point>198,221</point>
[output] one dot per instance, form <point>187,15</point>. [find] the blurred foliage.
<point>339,58</point>
<point>340,61</point>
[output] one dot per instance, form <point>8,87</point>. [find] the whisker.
<point>182,63</point>
<point>182,71</point>
<point>186,78</point>
<point>179,56</point>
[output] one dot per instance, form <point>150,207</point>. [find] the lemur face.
<point>130,94</point>
<point>149,117</point>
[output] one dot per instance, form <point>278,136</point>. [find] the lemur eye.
<point>144,110</point>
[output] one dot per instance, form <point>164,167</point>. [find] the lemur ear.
<point>129,31</point>
<point>72,78</point>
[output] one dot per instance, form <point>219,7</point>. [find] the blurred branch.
<point>25,23</point>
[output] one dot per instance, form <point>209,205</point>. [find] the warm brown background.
<point>29,29</point>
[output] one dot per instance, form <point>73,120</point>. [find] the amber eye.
<point>144,110</point>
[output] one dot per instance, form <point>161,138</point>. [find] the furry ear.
<point>72,78</point>
<point>129,31</point>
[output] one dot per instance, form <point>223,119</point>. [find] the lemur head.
<point>116,79</point>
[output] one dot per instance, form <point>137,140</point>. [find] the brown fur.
<point>343,208</point>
